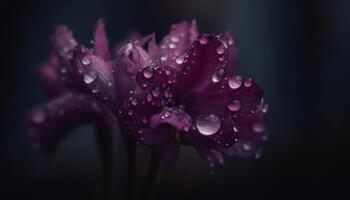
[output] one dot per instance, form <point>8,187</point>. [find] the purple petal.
<point>230,44</point>
<point>94,73</point>
<point>47,125</point>
<point>50,81</point>
<point>63,42</point>
<point>177,42</point>
<point>174,116</point>
<point>100,41</point>
<point>203,62</point>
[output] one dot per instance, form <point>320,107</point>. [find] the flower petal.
<point>230,44</point>
<point>50,81</point>
<point>205,64</point>
<point>101,41</point>
<point>174,116</point>
<point>47,125</point>
<point>95,73</point>
<point>177,42</point>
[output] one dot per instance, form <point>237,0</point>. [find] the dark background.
<point>297,50</point>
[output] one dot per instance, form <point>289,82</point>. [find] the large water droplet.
<point>235,82</point>
<point>218,76</point>
<point>90,77</point>
<point>156,91</point>
<point>39,116</point>
<point>234,106</point>
<point>208,124</point>
<point>203,40</point>
<point>148,72</point>
<point>258,127</point>
<point>85,60</point>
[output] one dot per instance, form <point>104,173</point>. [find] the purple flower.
<point>71,77</point>
<point>185,91</point>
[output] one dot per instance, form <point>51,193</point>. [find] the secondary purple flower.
<point>187,93</point>
<point>73,89</point>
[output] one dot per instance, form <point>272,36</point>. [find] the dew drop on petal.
<point>134,102</point>
<point>234,106</point>
<point>149,97</point>
<point>203,40</point>
<point>248,82</point>
<point>218,76</point>
<point>247,146</point>
<point>235,82</point>
<point>39,116</point>
<point>208,124</point>
<point>144,120</point>
<point>148,72</point>
<point>235,129</point>
<point>179,60</point>
<point>63,70</point>
<point>265,108</point>
<point>85,60</point>
<point>220,49</point>
<point>90,77</point>
<point>156,91</point>
<point>258,127</point>
<point>172,46</point>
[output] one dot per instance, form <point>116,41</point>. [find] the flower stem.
<point>131,167</point>
<point>104,141</point>
<point>153,179</point>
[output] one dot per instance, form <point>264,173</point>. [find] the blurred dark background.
<point>298,51</point>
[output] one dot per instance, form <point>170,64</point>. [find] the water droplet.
<point>164,58</point>
<point>248,82</point>
<point>94,90</point>
<point>90,77</point>
<point>85,60</point>
<point>265,108</point>
<point>235,129</point>
<point>140,130</point>
<point>220,50</point>
<point>134,102</point>
<point>218,76</point>
<point>234,106</point>
<point>172,46</point>
<point>63,70</point>
<point>203,40</point>
<point>174,39</point>
<point>144,120</point>
<point>222,58</point>
<point>208,124</point>
<point>130,112</point>
<point>39,116</point>
<point>149,97</point>
<point>156,91</point>
<point>258,127</point>
<point>167,92</point>
<point>165,115</point>
<point>186,128</point>
<point>247,146</point>
<point>148,72</point>
<point>179,60</point>
<point>235,82</point>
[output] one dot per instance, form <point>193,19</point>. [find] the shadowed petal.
<point>210,156</point>
<point>47,125</point>
<point>101,41</point>
<point>50,81</point>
